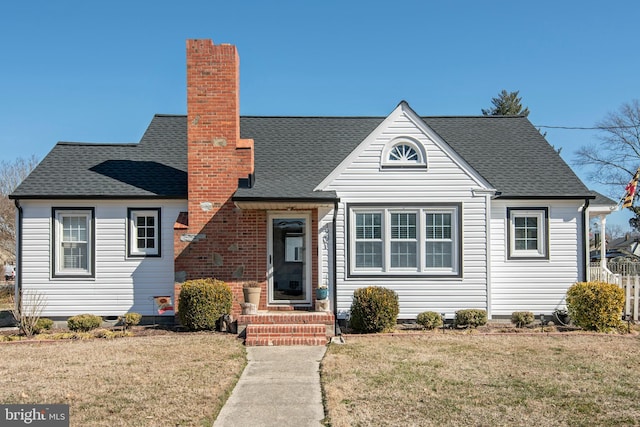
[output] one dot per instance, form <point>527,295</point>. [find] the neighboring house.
<point>450,212</point>
<point>627,245</point>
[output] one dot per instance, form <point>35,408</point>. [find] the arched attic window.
<point>403,153</point>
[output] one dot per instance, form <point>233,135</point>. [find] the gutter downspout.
<point>585,240</point>
<point>334,258</point>
<point>488,249</point>
<point>489,194</point>
<point>18,279</point>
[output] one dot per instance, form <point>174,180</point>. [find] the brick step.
<point>288,318</point>
<point>285,334</point>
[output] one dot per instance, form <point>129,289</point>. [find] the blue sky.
<point>98,71</point>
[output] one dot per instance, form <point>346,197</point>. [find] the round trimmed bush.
<point>471,318</point>
<point>429,320</point>
<point>84,322</point>
<point>374,309</point>
<point>42,324</point>
<point>131,319</point>
<point>202,302</point>
<point>522,318</point>
<point>595,306</point>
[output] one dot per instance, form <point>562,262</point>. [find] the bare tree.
<point>11,175</point>
<point>614,161</point>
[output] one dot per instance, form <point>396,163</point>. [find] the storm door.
<point>289,258</point>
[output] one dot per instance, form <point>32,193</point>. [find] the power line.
<point>588,128</point>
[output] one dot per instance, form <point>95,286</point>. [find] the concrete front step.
<point>286,328</point>
<point>283,334</point>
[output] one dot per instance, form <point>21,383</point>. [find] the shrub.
<point>374,309</point>
<point>84,322</point>
<point>42,324</point>
<point>27,315</point>
<point>429,320</point>
<point>595,306</point>
<point>202,303</point>
<point>471,318</point>
<point>131,319</point>
<point>522,318</point>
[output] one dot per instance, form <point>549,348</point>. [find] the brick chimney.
<point>217,159</point>
<point>213,127</point>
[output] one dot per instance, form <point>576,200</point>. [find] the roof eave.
<point>93,197</point>
<point>547,197</point>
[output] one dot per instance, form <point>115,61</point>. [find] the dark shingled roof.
<point>154,168</point>
<point>602,200</point>
<point>293,155</point>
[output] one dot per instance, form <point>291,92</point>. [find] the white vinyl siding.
<point>443,183</point>
<point>325,246</point>
<point>537,285</point>
<point>121,284</point>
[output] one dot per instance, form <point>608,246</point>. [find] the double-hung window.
<point>527,233</point>
<point>404,241</point>
<point>73,242</point>
<point>368,240</point>
<point>439,240</point>
<point>144,232</point>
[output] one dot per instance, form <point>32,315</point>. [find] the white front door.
<point>289,258</point>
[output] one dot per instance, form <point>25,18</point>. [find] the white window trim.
<point>58,269</point>
<point>542,215</point>
<point>453,239</point>
<point>132,215</point>
<point>421,269</point>
<point>386,162</point>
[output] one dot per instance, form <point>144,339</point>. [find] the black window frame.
<point>511,251</point>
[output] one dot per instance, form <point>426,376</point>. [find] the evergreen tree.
<point>506,104</point>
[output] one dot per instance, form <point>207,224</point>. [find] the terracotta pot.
<point>252,295</point>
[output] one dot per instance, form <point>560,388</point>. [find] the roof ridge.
<point>255,116</point>
<point>98,144</point>
<point>520,116</point>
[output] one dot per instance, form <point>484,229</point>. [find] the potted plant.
<point>322,292</point>
<point>251,291</point>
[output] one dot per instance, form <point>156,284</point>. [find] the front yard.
<point>483,380</point>
<point>421,379</point>
<point>175,379</point>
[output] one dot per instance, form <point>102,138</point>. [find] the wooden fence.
<point>619,274</point>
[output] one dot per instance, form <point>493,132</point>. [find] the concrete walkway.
<point>280,386</point>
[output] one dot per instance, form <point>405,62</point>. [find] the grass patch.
<point>177,379</point>
<point>482,380</point>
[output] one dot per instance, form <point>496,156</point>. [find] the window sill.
<point>404,275</point>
